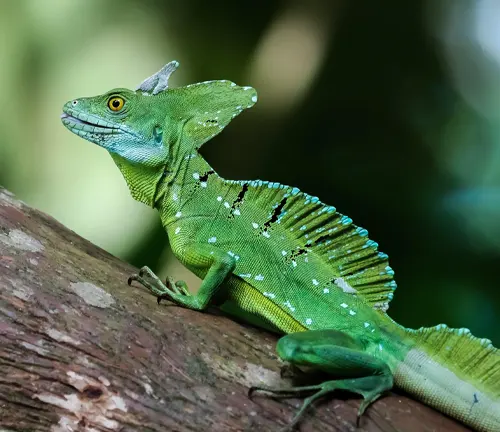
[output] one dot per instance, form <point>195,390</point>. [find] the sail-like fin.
<point>318,229</point>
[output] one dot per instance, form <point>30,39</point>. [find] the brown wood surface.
<point>80,350</point>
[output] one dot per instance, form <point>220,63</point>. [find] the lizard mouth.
<point>87,123</point>
<point>76,120</point>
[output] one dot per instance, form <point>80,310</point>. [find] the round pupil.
<point>116,103</point>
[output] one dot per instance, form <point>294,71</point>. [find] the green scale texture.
<point>279,257</point>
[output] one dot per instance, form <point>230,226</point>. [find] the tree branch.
<point>82,351</point>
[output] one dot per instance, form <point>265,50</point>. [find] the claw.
<point>162,297</point>
<point>162,291</point>
<point>131,279</point>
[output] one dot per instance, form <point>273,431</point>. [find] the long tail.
<point>456,373</point>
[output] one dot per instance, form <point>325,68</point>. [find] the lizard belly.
<point>250,300</point>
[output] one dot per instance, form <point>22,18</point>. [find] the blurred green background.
<point>389,110</point>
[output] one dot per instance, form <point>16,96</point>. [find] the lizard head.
<point>119,122</point>
<point>155,125</point>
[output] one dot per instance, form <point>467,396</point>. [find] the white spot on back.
<point>212,239</point>
<point>259,277</point>
<point>382,305</point>
<point>341,283</point>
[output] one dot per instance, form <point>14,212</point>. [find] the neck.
<point>194,179</point>
<point>145,183</point>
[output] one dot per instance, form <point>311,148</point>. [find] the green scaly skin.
<point>279,257</point>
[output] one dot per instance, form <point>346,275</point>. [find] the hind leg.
<point>338,354</point>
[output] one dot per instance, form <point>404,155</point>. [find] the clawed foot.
<point>360,386</point>
<point>170,290</point>
<point>290,393</point>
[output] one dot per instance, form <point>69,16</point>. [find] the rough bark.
<point>82,351</point>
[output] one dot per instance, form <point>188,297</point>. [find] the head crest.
<point>159,81</point>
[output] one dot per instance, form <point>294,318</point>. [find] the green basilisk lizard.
<point>273,253</point>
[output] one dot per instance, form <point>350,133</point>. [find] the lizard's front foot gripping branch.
<point>169,290</point>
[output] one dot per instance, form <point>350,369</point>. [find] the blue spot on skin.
<point>391,284</point>
<point>362,232</point>
<point>383,255</point>
<point>307,202</point>
<point>295,191</point>
<point>370,243</point>
<point>389,271</point>
<point>345,220</point>
<point>314,200</point>
<point>331,209</point>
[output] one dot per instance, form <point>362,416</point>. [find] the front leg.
<point>219,266</point>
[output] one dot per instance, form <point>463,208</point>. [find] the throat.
<point>146,183</point>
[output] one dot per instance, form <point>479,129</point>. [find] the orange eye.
<point>116,103</point>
